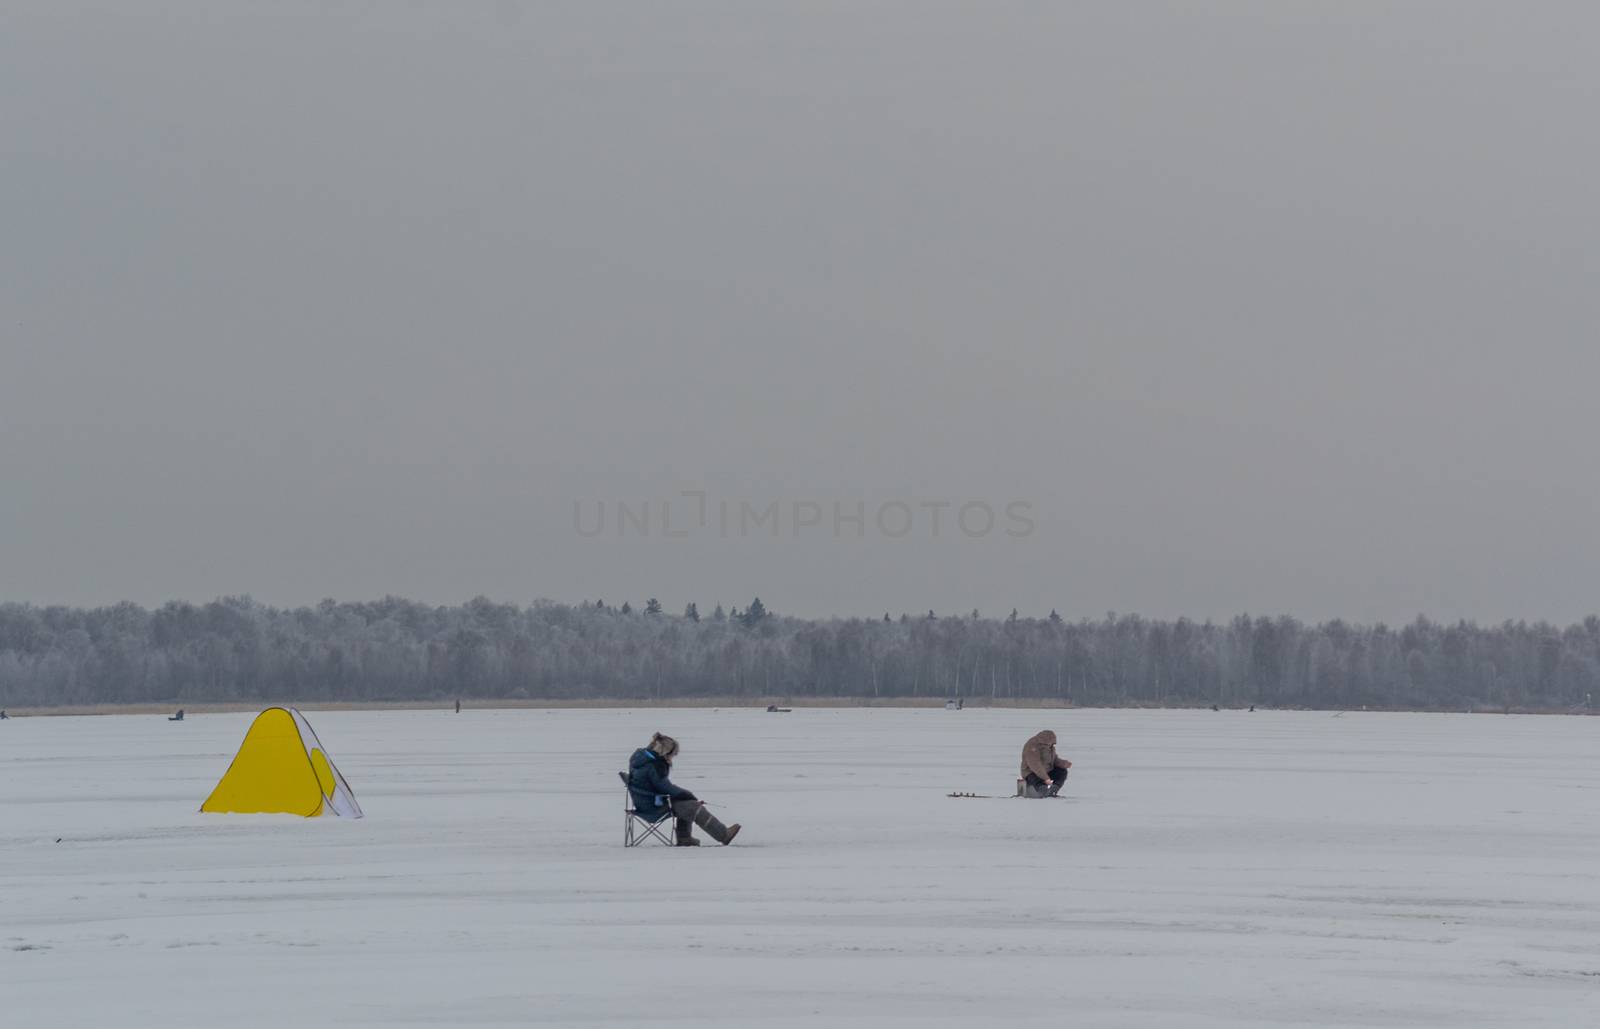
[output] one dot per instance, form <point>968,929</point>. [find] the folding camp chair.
<point>636,828</point>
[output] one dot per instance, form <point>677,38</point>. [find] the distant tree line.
<point>395,649</point>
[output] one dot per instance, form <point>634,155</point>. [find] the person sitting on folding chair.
<point>654,796</point>
<point>1044,771</point>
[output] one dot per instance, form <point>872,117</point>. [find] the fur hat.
<point>664,745</point>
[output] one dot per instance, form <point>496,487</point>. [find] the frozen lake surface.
<point>1207,870</point>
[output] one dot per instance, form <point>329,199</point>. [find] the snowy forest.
<point>235,649</point>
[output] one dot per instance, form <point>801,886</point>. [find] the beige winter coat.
<point>1039,756</point>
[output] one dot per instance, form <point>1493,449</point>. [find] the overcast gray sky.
<point>1266,307</point>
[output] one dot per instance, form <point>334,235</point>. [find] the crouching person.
<point>1044,771</point>
<point>654,795</point>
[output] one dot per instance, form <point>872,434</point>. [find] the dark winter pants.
<point>1038,787</point>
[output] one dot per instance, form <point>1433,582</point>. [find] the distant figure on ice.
<point>1044,771</point>
<point>177,717</point>
<point>654,796</point>
<point>1215,708</point>
<point>458,705</point>
<point>3,715</point>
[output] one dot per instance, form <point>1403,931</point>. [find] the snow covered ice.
<point>1205,869</point>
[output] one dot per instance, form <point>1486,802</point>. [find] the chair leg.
<point>636,830</point>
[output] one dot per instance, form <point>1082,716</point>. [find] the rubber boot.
<point>683,830</point>
<point>723,834</point>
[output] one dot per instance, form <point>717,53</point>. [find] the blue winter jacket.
<point>649,786</point>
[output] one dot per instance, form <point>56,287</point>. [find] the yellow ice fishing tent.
<point>282,768</point>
